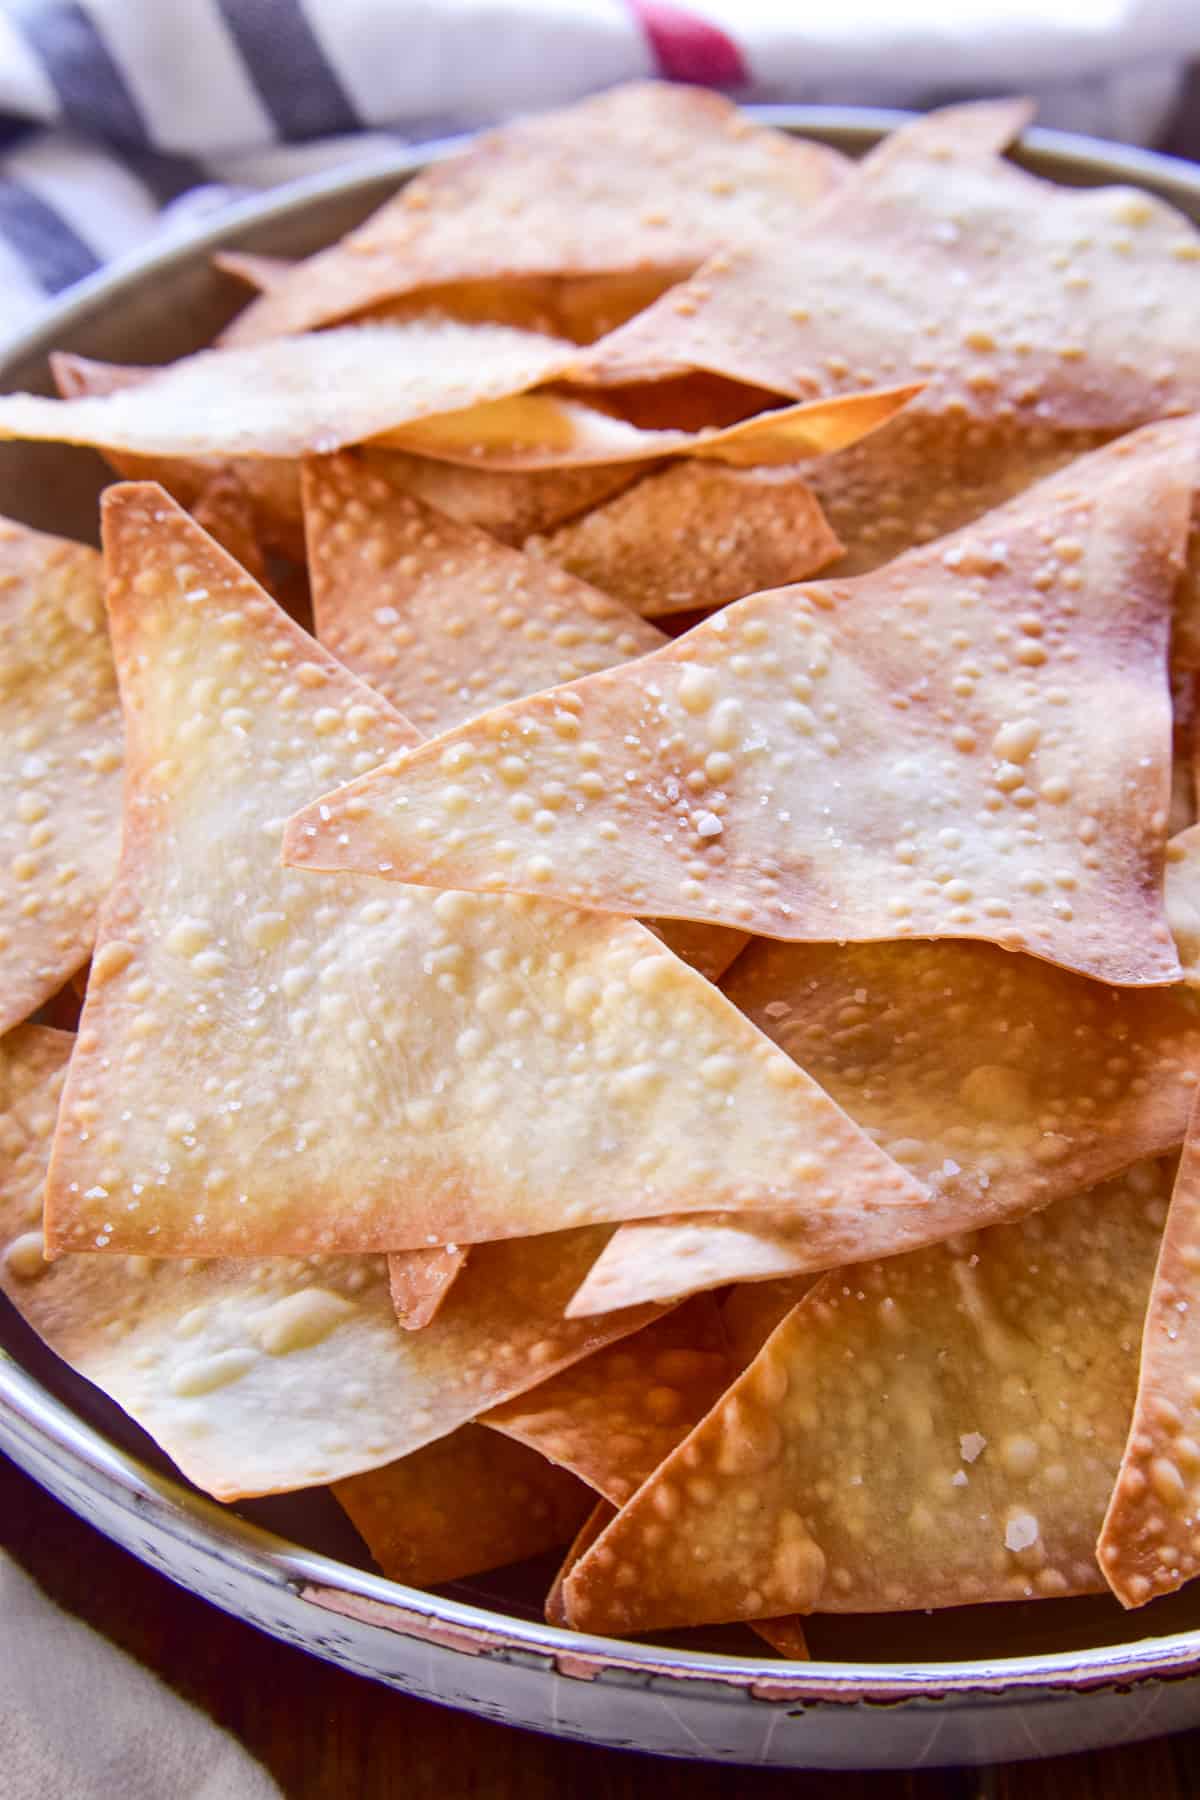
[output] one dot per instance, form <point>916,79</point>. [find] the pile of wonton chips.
<point>601,898</point>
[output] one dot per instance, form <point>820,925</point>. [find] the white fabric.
<point>79,1720</point>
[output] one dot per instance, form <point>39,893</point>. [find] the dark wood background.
<point>330,1735</point>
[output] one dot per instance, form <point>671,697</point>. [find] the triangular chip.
<point>510,504</point>
<point>445,622</point>
<point>925,752</point>
<point>553,431</point>
<point>60,763</point>
<point>897,276</point>
<point>615,1416</point>
<point>1001,1081</point>
<point>922,476</point>
<point>421,1279</point>
<point>937,1430</point>
<point>295,396</point>
<point>261,1377</point>
<point>697,535</point>
<point>644,177</point>
<point>439,616</point>
<point>469,1502</point>
<point>1150,1542</point>
<point>272,1062</point>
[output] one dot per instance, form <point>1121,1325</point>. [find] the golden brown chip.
<point>510,504</point>
<point>937,1430</point>
<point>1001,1081</point>
<point>421,1279</point>
<point>696,535</point>
<point>926,752</point>
<point>60,764</point>
<point>600,1517</point>
<point>614,1417</point>
<point>922,476</point>
<point>441,618</point>
<point>224,509</point>
<point>295,396</point>
<point>469,1502</point>
<point>1150,1541</point>
<point>646,177</point>
<point>444,622</point>
<point>275,1063</point>
<point>894,278</point>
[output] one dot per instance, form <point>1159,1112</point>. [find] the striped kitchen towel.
<point>122,117</point>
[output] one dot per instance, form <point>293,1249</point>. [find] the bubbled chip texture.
<point>60,764</point>
<point>274,1062</point>
<point>939,1429</point>
<point>927,751</point>
<point>1001,1081</point>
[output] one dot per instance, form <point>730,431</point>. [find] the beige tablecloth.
<point>80,1720</point>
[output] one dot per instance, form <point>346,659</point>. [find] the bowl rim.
<point>36,1427</point>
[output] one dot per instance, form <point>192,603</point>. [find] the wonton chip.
<point>937,1430</point>
<point>954,267</point>
<point>1002,1082</point>
<point>549,431</point>
<point>1150,1541</point>
<point>926,752</point>
<point>225,511</point>
<point>614,1417</point>
<point>643,177</point>
<point>445,622</point>
<point>263,1376</point>
<point>509,504</point>
<point>273,1062</point>
<point>421,1279</point>
<point>439,616</point>
<point>271,485</point>
<point>696,535</point>
<point>60,763</point>
<point>295,396</point>
<point>469,1502</point>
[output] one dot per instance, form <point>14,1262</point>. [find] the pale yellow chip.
<point>926,752</point>
<point>445,622</point>
<point>60,764</point>
<point>271,485</point>
<point>295,396</point>
<point>1148,1544</point>
<point>1073,307</point>
<point>1000,1081</point>
<point>274,1062</point>
<point>938,1430</point>
<point>614,1417</point>
<point>646,177</point>
<point>469,1502</point>
<point>697,535</point>
<point>437,615</point>
<point>261,1376</point>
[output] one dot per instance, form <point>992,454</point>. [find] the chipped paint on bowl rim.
<point>676,1702</point>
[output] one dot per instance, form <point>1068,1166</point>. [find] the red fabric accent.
<point>687,48</point>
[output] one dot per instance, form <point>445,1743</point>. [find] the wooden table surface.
<point>326,1734</point>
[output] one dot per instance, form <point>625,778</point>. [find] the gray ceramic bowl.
<point>983,1684</point>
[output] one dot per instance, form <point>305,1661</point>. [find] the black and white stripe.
<point>111,109</point>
